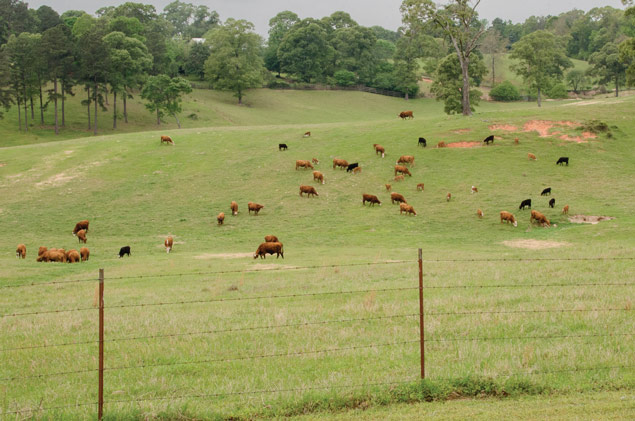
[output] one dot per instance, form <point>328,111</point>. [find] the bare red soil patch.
<point>463,144</point>
<point>543,127</point>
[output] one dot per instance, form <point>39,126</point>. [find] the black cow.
<point>422,142</point>
<point>489,139</point>
<point>282,146</point>
<point>546,192</point>
<point>563,160</point>
<point>124,250</point>
<point>352,166</point>
<point>552,203</point>
<point>526,202</point>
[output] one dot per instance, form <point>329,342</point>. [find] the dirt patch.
<point>223,256</point>
<point>56,180</point>
<point>588,219</point>
<point>505,127</point>
<point>543,127</point>
<point>461,131</point>
<point>427,80</point>
<point>535,244</point>
<point>2,164</point>
<point>463,144</point>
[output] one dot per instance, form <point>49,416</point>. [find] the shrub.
<point>344,78</point>
<point>558,91</point>
<point>504,92</point>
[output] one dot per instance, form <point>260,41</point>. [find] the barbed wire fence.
<point>421,340</point>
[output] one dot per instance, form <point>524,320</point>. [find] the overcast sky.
<point>366,12</point>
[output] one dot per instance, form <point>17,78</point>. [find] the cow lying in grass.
<point>269,248</point>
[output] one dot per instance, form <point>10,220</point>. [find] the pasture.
<point>323,351</point>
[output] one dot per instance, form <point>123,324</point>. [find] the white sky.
<point>366,12</point>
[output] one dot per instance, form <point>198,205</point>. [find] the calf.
<point>72,256</point>
<point>489,139</point>
<point>406,114</point>
<point>269,248</point>
<point>168,244</point>
<point>220,218</point>
<point>420,186</point>
<point>448,197</point>
<point>525,203</point>
<point>271,239</point>
<point>479,213</point>
<point>234,207</point>
<point>303,164</point>
<point>370,198</point>
<point>552,203</point>
<point>84,253</point>
<point>388,187</point>
<point>307,134</point>
<point>282,146</point>
<point>255,207</point>
<point>352,166</point>
<point>357,170</point>
<point>315,161</point>
<point>563,160</point>
<point>81,236</point>
<point>539,217</point>
<point>81,225</point>
<point>516,141</point>
<point>167,140</point>
<point>124,250</point>
<point>531,156</point>
<point>565,210</point>
<point>318,176</point>
<point>403,170</point>
<point>379,150</point>
<point>508,217</point>
<point>422,142</point>
<point>406,159</point>
<point>408,209</point>
<point>474,189</point>
<point>309,190</point>
<point>342,163</point>
<point>546,191</point>
<point>399,178</point>
<point>396,197</point>
<point>20,251</point>
<point>441,145</point>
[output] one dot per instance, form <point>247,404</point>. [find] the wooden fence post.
<point>422,348</point>
<point>100,411</point>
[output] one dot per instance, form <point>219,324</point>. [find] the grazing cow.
<point>357,170</point>
<point>396,197</point>
<point>303,164</point>
<point>20,251</point>
<point>318,176</point>
<point>234,207</point>
<point>552,203</point>
<point>448,197</point>
<point>81,225</point>
<point>72,256</point>
<point>81,236</point>
<point>422,142</point>
<point>352,166</point>
<point>84,253</point>
<point>420,186</point>
<point>309,190</point>
<point>479,213</point>
<point>167,140</point>
<point>315,161</point>
<point>441,145</point>
<point>406,114</point>
<point>168,244</point>
<point>563,160</point>
<point>41,250</point>
<point>401,169</point>
<point>124,250</point>
<point>388,187</point>
<point>282,146</point>
<point>399,178</point>
<point>489,139</point>
<point>406,159</point>
<point>508,217</point>
<point>379,150</point>
<point>565,210</point>
<point>474,189</point>
<point>370,198</point>
<point>220,218</point>
<point>539,217</point>
<point>531,156</point>
<point>271,239</point>
<point>269,248</point>
<point>516,141</point>
<point>525,203</point>
<point>546,191</point>
<point>251,206</point>
<point>307,134</point>
<point>342,163</point>
<point>408,209</point>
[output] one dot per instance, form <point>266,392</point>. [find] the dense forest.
<point>132,49</point>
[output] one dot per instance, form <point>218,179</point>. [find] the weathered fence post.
<point>422,347</point>
<point>100,411</point>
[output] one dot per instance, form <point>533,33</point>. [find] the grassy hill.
<point>136,192</point>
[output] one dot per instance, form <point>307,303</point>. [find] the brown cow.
<point>357,170</point>
<point>448,197</point>
<point>479,213</point>
<point>370,198</point>
<point>441,145</point>
<point>396,197</point>
<point>81,225</point>
<point>167,140</point>
<point>420,186</point>
<point>168,244</point>
<point>402,169</point>
<point>516,141</point>
<point>307,134</point>
<point>379,150</point>
<point>318,176</point>
<point>271,239</point>
<point>406,114</point>
<point>406,159</point>
<point>508,217</point>
<point>408,209</point>
<point>309,190</point>
<point>315,161</point>
<point>20,251</point>
<point>81,235</point>
<point>342,163</point>
<point>531,156</point>
<point>269,248</point>
<point>303,164</point>
<point>72,256</point>
<point>234,207</point>
<point>565,210</point>
<point>474,189</point>
<point>539,217</point>
<point>251,206</point>
<point>53,255</point>
<point>84,253</point>
<point>388,187</point>
<point>399,178</point>
<point>41,250</point>
<point>220,218</point>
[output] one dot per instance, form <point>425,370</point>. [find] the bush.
<point>558,91</point>
<point>277,84</point>
<point>344,78</point>
<point>505,92</point>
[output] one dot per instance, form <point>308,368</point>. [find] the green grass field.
<point>326,352</point>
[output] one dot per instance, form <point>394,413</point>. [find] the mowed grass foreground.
<point>343,349</point>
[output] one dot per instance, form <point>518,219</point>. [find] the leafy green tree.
<point>47,18</point>
<point>385,34</point>
<point>448,86</point>
<point>576,79</point>
<point>354,51</point>
<point>178,14</point>
<point>202,21</point>
<point>69,17</point>
<point>458,21</point>
<point>279,25</point>
<point>196,56</point>
<point>131,27</point>
<point>345,78</point>
<point>164,95</point>
<point>5,82</point>
<point>23,54</point>
<point>305,51</point>
<point>383,50</point>
<point>235,63</point>
<point>608,66</point>
<point>58,56</point>
<point>492,44</point>
<point>627,56</point>
<point>540,60</point>
<point>504,91</point>
<point>15,19</point>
